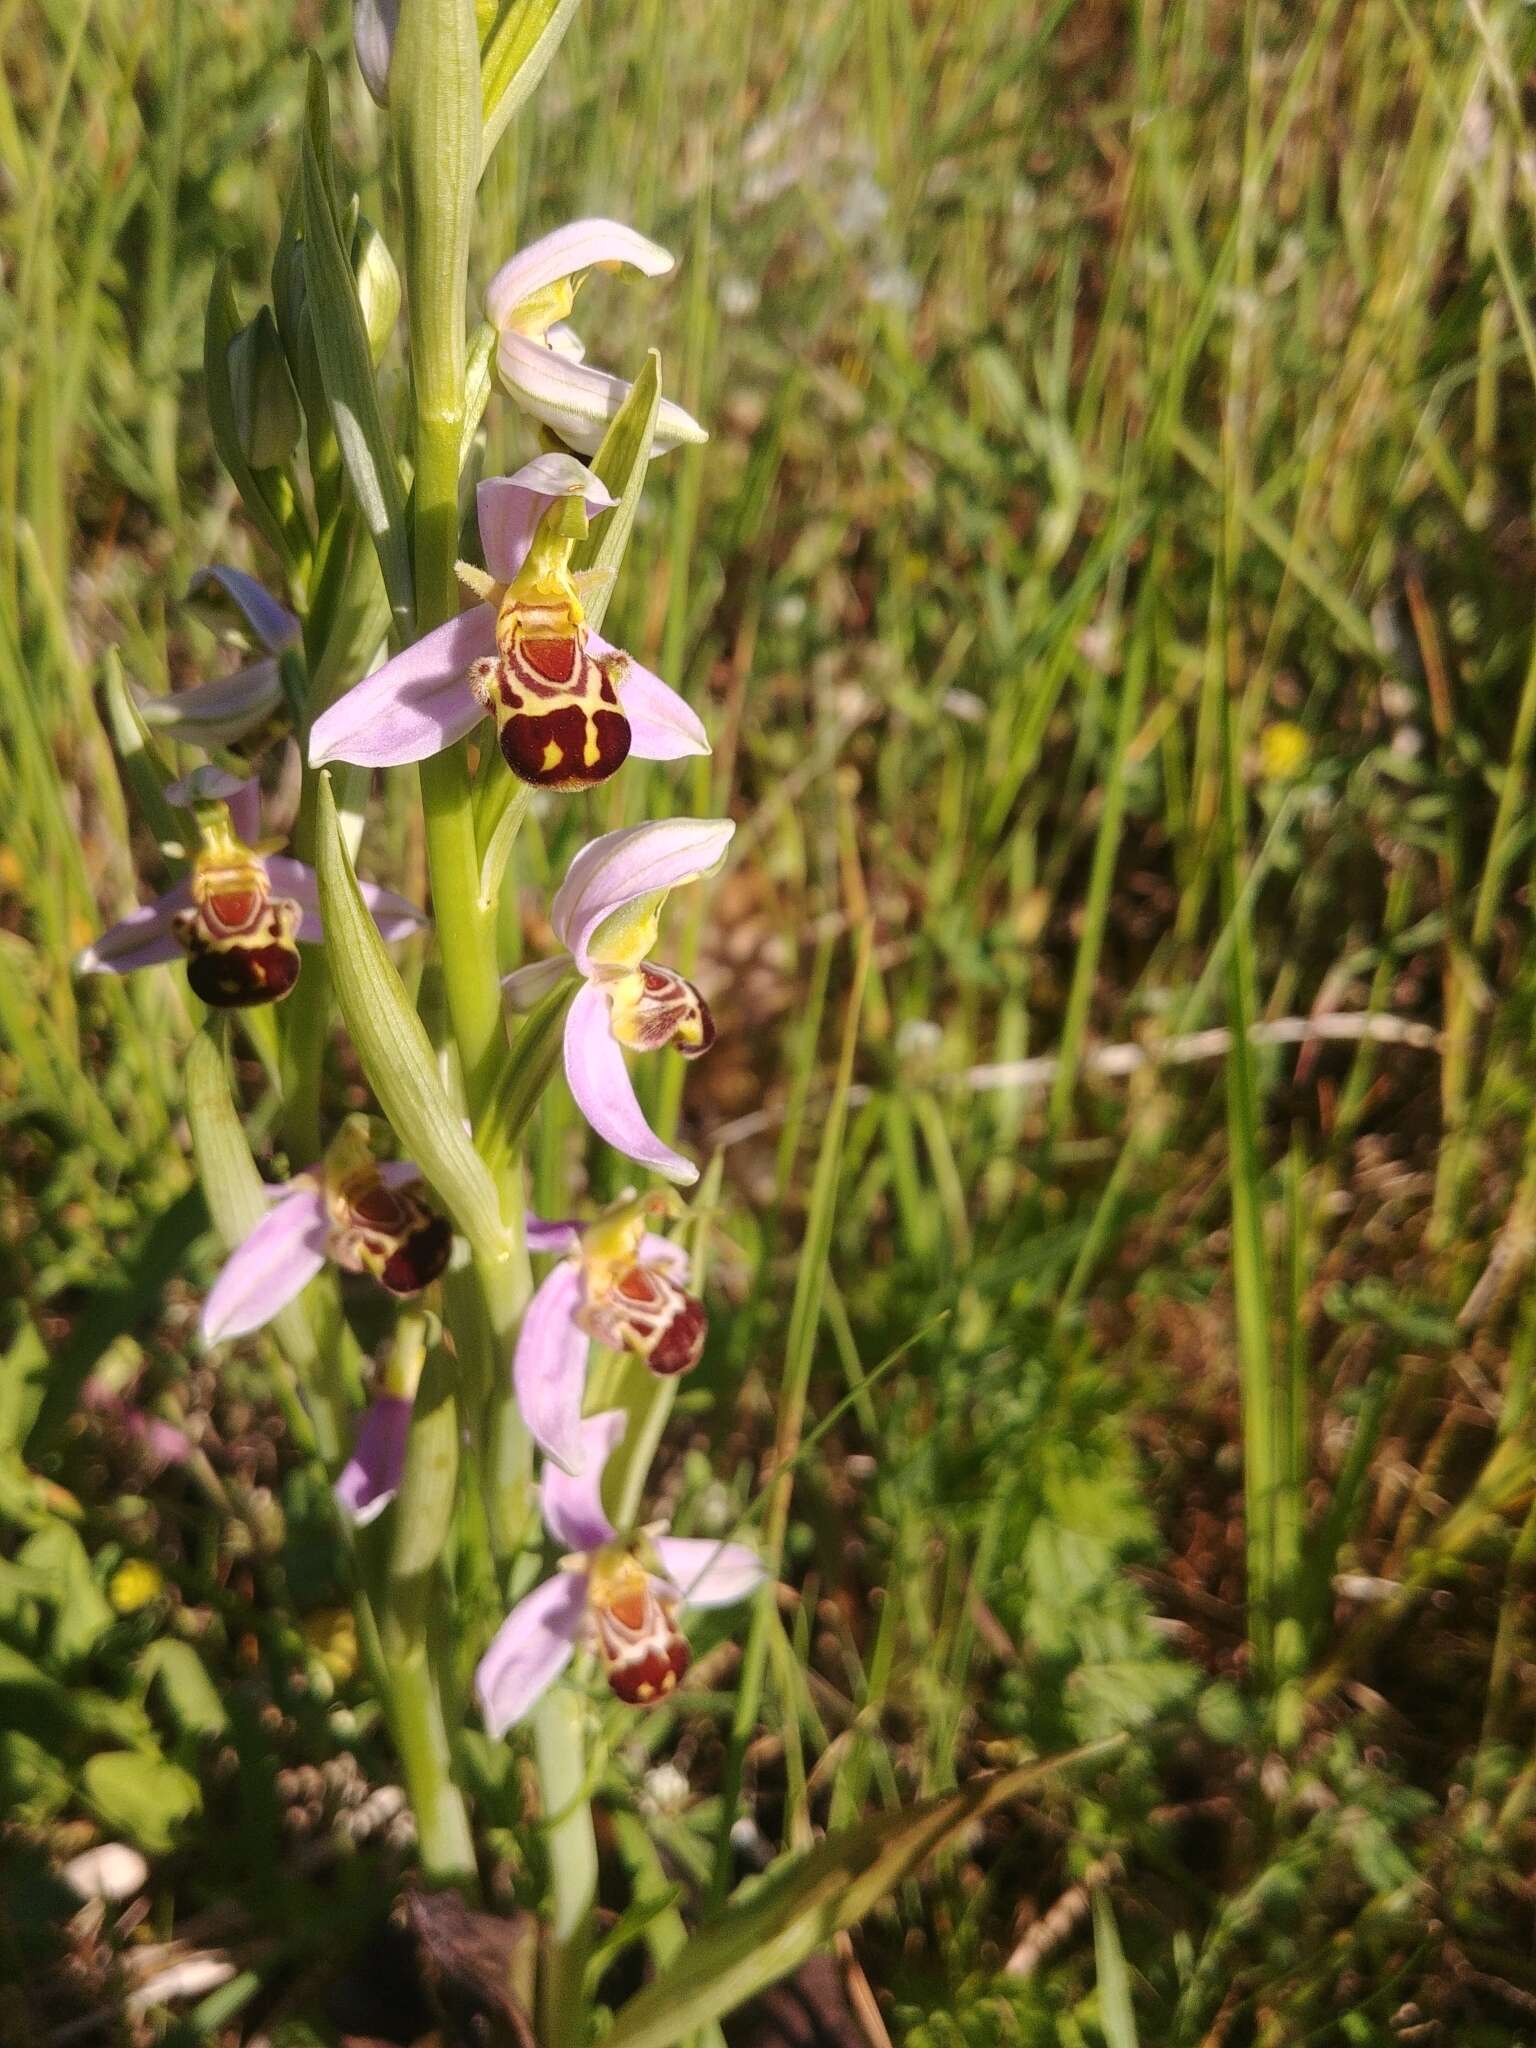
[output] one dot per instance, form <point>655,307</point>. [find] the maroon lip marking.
<point>649,1314</point>
<point>240,940</point>
<point>393,1233</point>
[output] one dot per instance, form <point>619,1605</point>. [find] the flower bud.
<point>373,37</point>
<point>266,405</point>
<point>378,285</point>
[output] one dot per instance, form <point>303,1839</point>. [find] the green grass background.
<point>1094,390</point>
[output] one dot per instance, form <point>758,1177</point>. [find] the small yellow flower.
<point>134,1584</point>
<point>1284,751</point>
<point>332,1634</point>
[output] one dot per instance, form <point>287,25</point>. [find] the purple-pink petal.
<point>395,916</point>
<point>510,507</point>
<point>708,1573</point>
<point>662,725</point>
<point>605,1095</point>
<point>661,1251</point>
<point>530,1650</point>
<point>549,1366</point>
<point>370,1479</point>
<point>551,1237</point>
<point>573,1503</point>
<point>272,623</point>
<point>416,705</point>
<point>141,939</point>
<point>566,252</point>
<point>240,795</point>
<point>578,400</point>
<point>263,1274</point>
<point>621,867</point>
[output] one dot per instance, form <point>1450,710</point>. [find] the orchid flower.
<point>218,713</point>
<point>370,1479</point>
<point>363,1216</point>
<point>374,27</point>
<point>623,1596</point>
<point>542,360</point>
<point>240,913</point>
<point>606,914</point>
<point>622,1285</point>
<point>569,706</point>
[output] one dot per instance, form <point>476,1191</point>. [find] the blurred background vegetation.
<point>1109,589</point>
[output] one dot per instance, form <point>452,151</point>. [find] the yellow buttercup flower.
<point>332,1634</point>
<point>134,1584</point>
<point>1284,751</point>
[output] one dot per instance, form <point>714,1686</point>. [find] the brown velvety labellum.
<point>243,976</point>
<point>650,1672</point>
<point>680,1345</point>
<point>570,747</point>
<point>420,1259</point>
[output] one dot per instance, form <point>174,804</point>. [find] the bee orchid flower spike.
<point>606,914</point>
<point>541,358</point>
<point>569,706</point>
<point>621,1597</point>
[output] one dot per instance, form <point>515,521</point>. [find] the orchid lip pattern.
<point>541,359</point>
<point>606,913</point>
<point>529,640</point>
<point>238,916</point>
<point>364,1216</point>
<point>619,1284</point>
<point>622,1597</point>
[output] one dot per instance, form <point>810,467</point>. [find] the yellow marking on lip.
<point>554,754</point>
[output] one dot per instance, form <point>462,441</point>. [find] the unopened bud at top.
<point>267,417</point>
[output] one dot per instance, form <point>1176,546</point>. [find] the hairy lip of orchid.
<point>621,1596</point>
<point>240,940</point>
<point>635,1294</point>
<point>541,360</point>
<point>619,1284</point>
<point>569,706</point>
<point>606,914</point>
<point>240,914</point>
<point>559,715</point>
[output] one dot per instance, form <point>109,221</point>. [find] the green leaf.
<point>524,1076</point>
<point>520,50</point>
<point>434,118</point>
<point>396,1053</point>
<point>190,1695</point>
<point>621,461</point>
<point>82,1614</point>
<point>786,1916</point>
<point>32,1700</point>
<point>134,1292</point>
<point>346,364</point>
<point>141,1796</point>
<point>131,743</point>
<point>1117,2016</point>
<point>219,330</point>
<point>23,1381</point>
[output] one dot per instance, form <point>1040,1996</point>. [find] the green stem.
<point>572,1851</point>
<point>422,1520</point>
